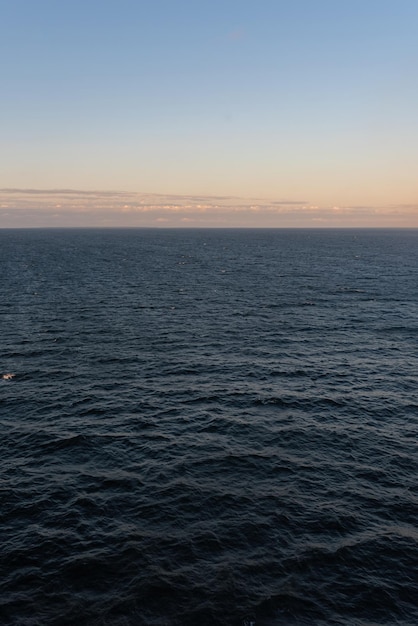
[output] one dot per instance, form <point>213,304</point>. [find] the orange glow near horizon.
<point>72,208</point>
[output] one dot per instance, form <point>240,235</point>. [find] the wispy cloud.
<point>72,208</point>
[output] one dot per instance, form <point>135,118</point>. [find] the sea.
<point>208,427</point>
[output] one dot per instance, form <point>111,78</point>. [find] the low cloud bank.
<point>27,208</point>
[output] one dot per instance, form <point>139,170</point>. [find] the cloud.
<point>80,208</point>
<point>64,192</point>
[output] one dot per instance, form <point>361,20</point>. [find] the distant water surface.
<point>199,426</point>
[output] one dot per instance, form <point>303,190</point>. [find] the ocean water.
<point>203,427</point>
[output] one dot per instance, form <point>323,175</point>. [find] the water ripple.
<point>208,434</point>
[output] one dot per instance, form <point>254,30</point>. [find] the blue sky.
<point>314,103</point>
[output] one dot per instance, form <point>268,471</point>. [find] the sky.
<point>300,113</point>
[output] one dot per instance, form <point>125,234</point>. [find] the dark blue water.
<point>203,426</point>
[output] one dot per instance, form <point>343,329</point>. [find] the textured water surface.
<point>203,426</point>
